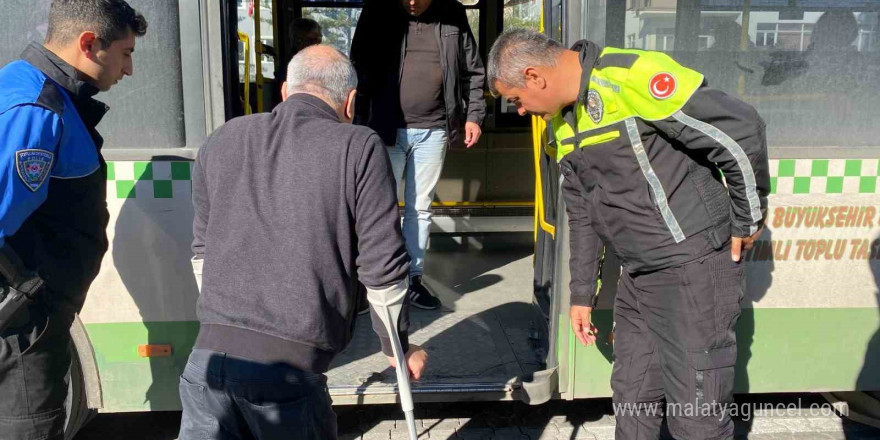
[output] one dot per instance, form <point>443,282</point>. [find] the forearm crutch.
<point>388,304</point>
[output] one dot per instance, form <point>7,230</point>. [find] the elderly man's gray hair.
<point>323,70</point>
<point>514,51</point>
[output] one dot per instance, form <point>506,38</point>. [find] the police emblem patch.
<point>33,167</point>
<point>595,106</point>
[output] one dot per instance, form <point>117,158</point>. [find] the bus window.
<point>523,14</point>
<point>147,108</point>
<point>267,37</point>
<point>473,11</point>
<point>338,22</point>
<point>520,14</point>
<point>810,67</point>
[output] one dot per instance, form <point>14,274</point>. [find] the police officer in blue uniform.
<point>53,214</point>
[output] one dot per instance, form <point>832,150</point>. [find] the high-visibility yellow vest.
<point>652,88</point>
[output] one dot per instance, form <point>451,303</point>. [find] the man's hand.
<point>415,361</point>
<point>739,244</point>
<point>472,133</point>
<point>582,325</point>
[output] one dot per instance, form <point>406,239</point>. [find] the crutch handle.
<point>388,304</point>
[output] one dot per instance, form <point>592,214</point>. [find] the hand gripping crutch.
<point>388,304</point>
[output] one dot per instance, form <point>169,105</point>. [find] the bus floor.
<point>486,337</point>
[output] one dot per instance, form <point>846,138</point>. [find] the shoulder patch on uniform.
<point>33,167</point>
<point>662,85</point>
<point>595,106</point>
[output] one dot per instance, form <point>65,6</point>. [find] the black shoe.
<point>419,295</point>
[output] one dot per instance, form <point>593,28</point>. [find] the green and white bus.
<point>499,250</point>
<point>810,318</point>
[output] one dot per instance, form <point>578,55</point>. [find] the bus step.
<point>478,355</point>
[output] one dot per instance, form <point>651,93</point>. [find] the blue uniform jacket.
<point>53,179</point>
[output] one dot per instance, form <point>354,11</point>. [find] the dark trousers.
<point>34,364</point>
<point>675,340</point>
<point>225,397</point>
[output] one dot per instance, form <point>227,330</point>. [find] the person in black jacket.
<point>641,143</point>
<point>53,217</point>
<point>293,210</point>
<point>421,79</point>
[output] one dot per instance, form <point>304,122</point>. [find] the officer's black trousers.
<point>34,363</point>
<point>675,349</point>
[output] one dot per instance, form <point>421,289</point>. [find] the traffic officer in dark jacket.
<point>642,143</point>
<point>54,215</point>
<point>420,79</point>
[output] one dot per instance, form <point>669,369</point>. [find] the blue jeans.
<point>224,397</point>
<point>419,152</point>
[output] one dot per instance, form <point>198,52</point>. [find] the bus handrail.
<point>538,127</point>
<point>258,56</point>
<point>243,37</point>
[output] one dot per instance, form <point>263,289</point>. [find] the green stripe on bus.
<point>149,179</point>
<point>133,383</point>
<point>172,179</point>
<point>780,350</point>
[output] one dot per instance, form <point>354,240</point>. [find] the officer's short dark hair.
<point>110,20</point>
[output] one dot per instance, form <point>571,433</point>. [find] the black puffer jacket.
<point>377,51</point>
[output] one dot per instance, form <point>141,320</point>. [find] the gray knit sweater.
<point>292,209</point>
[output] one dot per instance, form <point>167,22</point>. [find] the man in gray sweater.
<point>293,209</point>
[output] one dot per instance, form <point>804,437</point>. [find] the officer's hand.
<point>472,133</point>
<point>582,325</point>
<point>416,358</point>
<point>739,244</point>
